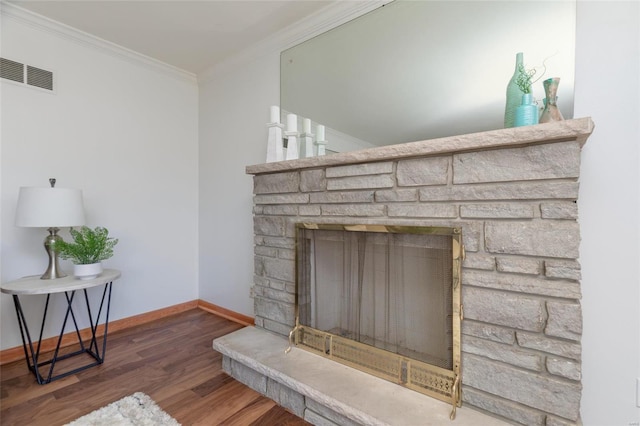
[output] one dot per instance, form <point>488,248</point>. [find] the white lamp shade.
<point>49,207</point>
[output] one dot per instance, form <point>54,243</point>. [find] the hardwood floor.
<point>171,360</point>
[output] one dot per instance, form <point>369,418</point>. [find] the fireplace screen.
<point>383,299</point>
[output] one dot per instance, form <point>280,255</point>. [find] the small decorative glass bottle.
<point>514,94</point>
<point>551,111</point>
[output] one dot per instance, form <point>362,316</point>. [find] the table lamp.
<point>51,208</point>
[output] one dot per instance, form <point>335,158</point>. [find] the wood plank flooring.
<point>170,359</point>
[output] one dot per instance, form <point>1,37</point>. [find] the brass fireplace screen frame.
<point>437,382</point>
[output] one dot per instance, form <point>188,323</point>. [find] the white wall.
<point>235,106</point>
<point>234,110</point>
<point>123,132</point>
<point>608,90</point>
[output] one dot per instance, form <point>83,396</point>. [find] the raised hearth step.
<point>352,394</point>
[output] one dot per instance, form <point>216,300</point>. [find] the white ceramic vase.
<point>87,272</point>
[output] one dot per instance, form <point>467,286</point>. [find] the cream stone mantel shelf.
<point>575,129</point>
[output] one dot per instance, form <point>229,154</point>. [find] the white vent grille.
<point>26,74</point>
<point>11,70</point>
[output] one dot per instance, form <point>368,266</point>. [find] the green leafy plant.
<point>524,80</point>
<point>525,77</point>
<point>88,246</point>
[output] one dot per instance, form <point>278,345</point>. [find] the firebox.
<point>383,299</point>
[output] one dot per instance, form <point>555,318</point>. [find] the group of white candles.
<point>292,123</point>
<point>275,144</point>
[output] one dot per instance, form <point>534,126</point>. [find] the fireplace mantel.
<point>512,192</point>
<point>577,129</point>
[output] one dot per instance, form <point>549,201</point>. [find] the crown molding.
<point>327,18</point>
<point>34,20</point>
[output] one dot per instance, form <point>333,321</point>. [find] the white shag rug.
<point>133,410</point>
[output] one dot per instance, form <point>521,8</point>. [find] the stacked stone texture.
<point>521,352</point>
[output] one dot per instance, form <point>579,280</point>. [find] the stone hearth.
<point>513,192</point>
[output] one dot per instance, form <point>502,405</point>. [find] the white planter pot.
<point>87,272</point>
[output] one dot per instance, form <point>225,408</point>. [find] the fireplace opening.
<point>383,299</point>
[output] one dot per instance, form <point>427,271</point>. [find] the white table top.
<point>34,285</point>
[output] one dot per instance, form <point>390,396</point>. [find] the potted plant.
<point>88,249</point>
<point>527,112</point>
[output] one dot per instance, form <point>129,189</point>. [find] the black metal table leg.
<point>32,355</point>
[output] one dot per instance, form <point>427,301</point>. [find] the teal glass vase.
<point>514,94</point>
<point>527,112</point>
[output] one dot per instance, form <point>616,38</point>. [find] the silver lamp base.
<point>53,270</point>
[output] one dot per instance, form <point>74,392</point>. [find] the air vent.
<point>26,74</point>
<point>39,78</point>
<point>11,70</point>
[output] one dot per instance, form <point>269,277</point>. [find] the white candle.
<point>306,125</point>
<point>292,123</point>
<point>320,132</point>
<point>275,114</point>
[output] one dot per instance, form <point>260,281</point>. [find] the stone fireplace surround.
<point>514,193</point>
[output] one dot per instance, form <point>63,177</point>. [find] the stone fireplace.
<point>513,194</point>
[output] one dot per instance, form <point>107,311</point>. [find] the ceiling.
<point>191,35</point>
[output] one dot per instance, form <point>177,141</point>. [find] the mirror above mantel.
<point>417,70</point>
